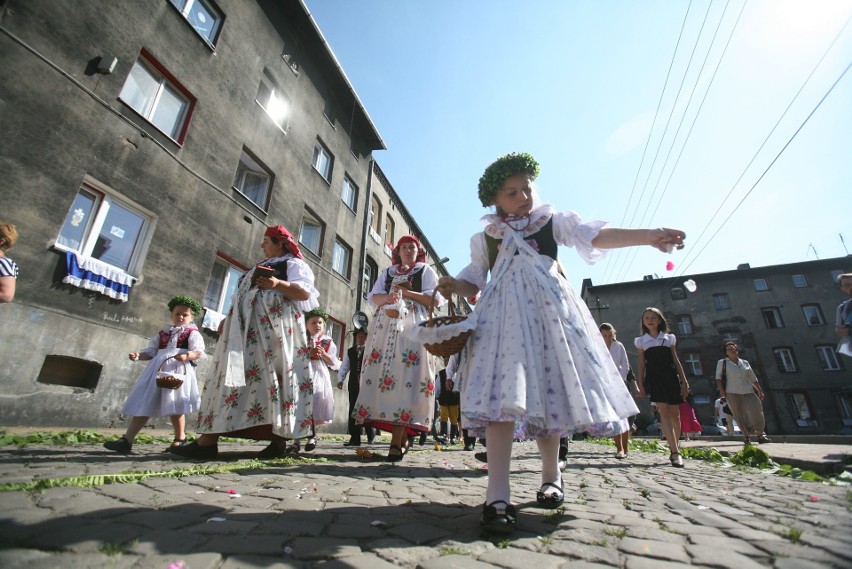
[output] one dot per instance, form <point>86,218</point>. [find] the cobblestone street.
<point>337,509</point>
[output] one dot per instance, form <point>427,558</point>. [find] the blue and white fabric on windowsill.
<point>92,274</point>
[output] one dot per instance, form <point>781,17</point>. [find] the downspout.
<point>364,230</point>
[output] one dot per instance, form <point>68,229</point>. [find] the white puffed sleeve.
<point>153,346</point>
<point>428,284</point>
<point>477,271</point>
<point>569,230</point>
<point>196,344</point>
<point>300,274</point>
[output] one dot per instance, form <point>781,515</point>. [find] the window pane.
<point>214,286</point>
<point>118,236</point>
<point>202,19</point>
<point>77,221</point>
<point>309,235</point>
<point>254,186</point>
<point>234,275</point>
<point>140,89</point>
<point>168,116</point>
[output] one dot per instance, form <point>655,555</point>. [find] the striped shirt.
<point>8,268</point>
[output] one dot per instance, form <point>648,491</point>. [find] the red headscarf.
<point>421,252</point>
<point>280,232</point>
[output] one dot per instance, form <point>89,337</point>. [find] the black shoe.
<point>481,456</point>
<point>494,522</point>
<point>468,447</point>
<point>393,457</point>
<point>275,449</point>
<point>311,444</point>
<point>550,501</point>
<point>122,445</point>
<point>196,451</point>
<point>177,443</point>
<point>370,440</point>
<point>353,443</point>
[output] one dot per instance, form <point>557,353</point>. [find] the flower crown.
<point>318,311</point>
<point>504,167</point>
<point>187,301</point>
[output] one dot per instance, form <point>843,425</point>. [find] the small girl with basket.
<point>169,353</point>
<point>536,356</point>
<point>322,352</point>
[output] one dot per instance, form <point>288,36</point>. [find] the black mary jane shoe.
<point>311,444</point>
<point>552,500</point>
<point>493,521</point>
<point>396,457</point>
<point>121,446</point>
<point>196,451</point>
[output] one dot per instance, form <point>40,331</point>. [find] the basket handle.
<point>452,308</point>
<point>160,367</point>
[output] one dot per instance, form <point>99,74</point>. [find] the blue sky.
<point>451,85</point>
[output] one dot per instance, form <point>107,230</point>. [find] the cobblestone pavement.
<point>338,510</point>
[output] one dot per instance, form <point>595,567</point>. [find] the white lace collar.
<point>495,226</point>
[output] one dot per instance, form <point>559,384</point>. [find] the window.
<point>349,193</point>
<point>800,281</point>
<point>692,365</point>
<point>335,329</point>
<point>311,234</point>
<point>272,100</point>
<point>828,359</point>
<point>390,229</point>
<point>800,409</point>
<point>341,259</point>
<point>813,315</point>
<point>288,54</point>
<point>328,110</point>
<point>103,225</point>
<point>678,293</point>
<point>684,325</point>
<point>844,406</point>
<point>731,337</point>
<point>203,16</point>
<point>375,216</point>
<point>371,273</point>
<point>157,97</point>
<point>721,301</point>
<point>785,360</point>
<point>222,285</point>
<point>760,284</point>
<point>253,180</point>
<point>323,161</point>
<point>772,317</point>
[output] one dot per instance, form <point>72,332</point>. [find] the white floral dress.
<point>536,356</point>
<point>148,400</point>
<point>323,393</point>
<point>397,374</point>
<point>261,382</point>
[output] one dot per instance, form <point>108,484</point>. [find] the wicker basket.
<point>169,380</point>
<point>455,344</point>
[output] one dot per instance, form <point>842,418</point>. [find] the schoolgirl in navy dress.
<point>661,376</point>
<point>536,357</point>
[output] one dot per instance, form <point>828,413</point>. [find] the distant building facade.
<point>145,148</point>
<point>782,317</point>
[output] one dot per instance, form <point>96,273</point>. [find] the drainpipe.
<point>364,230</point>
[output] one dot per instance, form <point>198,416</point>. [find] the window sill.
<point>324,179</point>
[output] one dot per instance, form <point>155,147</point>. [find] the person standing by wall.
<point>739,386</point>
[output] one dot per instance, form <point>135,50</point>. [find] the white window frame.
<point>816,312</point>
<point>274,103</point>
<point>775,312</point>
<point>312,220</point>
<point>844,406</point>
<point>336,329</point>
<point>684,325</point>
<point>692,363</point>
<point>800,409</point>
<point>760,284</point>
<point>148,64</point>
<point>349,193</point>
<point>104,198</point>
<point>721,301</point>
<point>323,161</point>
<point>251,166</point>
<point>828,359</point>
<point>184,7</point>
<point>390,230</point>
<point>800,281</point>
<point>371,272</point>
<point>232,274</point>
<point>341,258</point>
<point>785,359</point>
<point>375,215</point>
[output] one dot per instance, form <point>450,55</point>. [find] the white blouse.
<point>647,341</point>
<point>429,280</point>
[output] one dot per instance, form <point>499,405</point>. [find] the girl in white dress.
<point>170,350</point>
<point>536,355</point>
<point>323,357</point>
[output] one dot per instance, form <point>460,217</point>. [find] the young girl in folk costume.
<point>322,352</point>
<point>661,376</point>
<point>536,355</point>
<point>397,379</point>
<point>170,350</point>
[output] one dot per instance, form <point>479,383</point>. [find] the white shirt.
<point>619,356</point>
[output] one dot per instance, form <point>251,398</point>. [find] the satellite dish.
<point>360,320</point>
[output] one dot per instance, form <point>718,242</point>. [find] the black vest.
<point>543,237</point>
<point>354,365</point>
<point>414,279</point>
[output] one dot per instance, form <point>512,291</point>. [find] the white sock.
<point>548,447</point>
<point>499,437</point>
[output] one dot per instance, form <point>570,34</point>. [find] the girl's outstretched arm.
<point>450,285</point>
<point>662,238</point>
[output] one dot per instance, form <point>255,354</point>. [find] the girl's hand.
<point>666,239</point>
<point>134,356</point>
<point>182,357</point>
